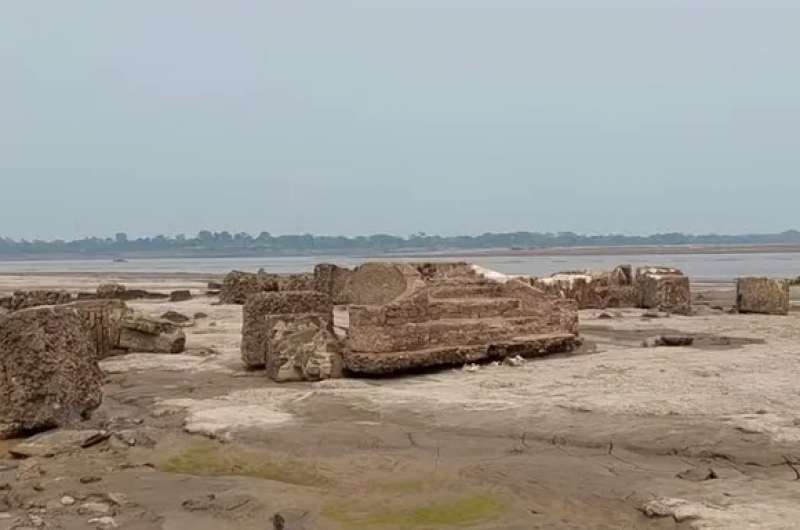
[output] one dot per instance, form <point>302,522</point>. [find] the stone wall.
<point>238,286</point>
<point>762,295</point>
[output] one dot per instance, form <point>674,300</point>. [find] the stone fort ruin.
<point>383,318</point>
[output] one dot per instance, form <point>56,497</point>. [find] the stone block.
<point>762,295</point>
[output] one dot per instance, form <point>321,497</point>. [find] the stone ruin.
<point>27,299</point>
<point>117,328</point>
<point>665,289</point>
<point>384,318</point>
<point>49,375</point>
<point>662,288</point>
<point>593,290</point>
<point>762,295</point>
<point>238,286</point>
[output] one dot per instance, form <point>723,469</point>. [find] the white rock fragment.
<point>66,500</point>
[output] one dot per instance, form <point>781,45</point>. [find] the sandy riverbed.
<point>579,441</point>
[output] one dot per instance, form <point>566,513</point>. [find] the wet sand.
<point>566,442</point>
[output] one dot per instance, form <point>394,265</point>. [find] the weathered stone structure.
<point>665,289</point>
<point>238,286</point>
<point>593,290</point>
<point>116,291</point>
<point>140,333</point>
<point>396,317</point>
<point>49,375</point>
<point>27,299</point>
<point>762,295</point>
<point>289,334</point>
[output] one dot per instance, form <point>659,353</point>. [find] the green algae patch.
<point>213,460</point>
<point>465,511</point>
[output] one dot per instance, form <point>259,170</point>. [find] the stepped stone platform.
<point>384,318</point>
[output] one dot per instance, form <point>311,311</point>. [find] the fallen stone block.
<point>142,334</point>
<point>178,319</point>
<point>664,289</point>
<point>49,375</point>
<point>265,310</point>
<point>180,295</point>
<point>762,295</point>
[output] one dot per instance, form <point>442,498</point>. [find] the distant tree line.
<point>265,244</point>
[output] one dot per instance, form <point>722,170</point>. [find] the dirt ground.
<point>712,431</point>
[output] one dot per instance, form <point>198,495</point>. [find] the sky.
<point>398,116</point>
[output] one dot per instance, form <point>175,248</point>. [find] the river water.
<point>701,267</point>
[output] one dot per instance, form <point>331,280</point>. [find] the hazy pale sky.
<point>443,116</point>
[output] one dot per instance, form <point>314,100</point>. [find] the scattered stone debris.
<point>591,289</point>
<point>48,369</point>
<point>180,296</point>
<point>668,340</point>
<point>762,295</point>
<point>116,291</point>
<point>27,299</point>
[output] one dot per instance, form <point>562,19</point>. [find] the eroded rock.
<point>49,375</point>
<point>762,295</point>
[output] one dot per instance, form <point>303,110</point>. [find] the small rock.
<point>36,520</point>
<point>604,316</point>
<point>119,499</point>
<point>178,319</point>
<point>668,340</point>
<point>38,487</point>
<point>94,508</point>
<point>66,500</point>
<point>516,362</point>
<point>90,479</point>
<point>104,522</point>
<point>663,507</point>
<point>200,315</point>
<point>180,296</point>
<point>698,475</point>
<point>472,368</point>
